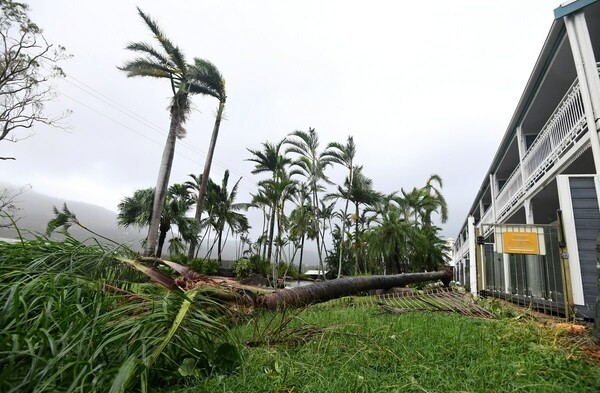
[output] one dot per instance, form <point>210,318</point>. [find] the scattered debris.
<point>444,301</point>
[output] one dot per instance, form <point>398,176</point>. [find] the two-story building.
<point>544,179</point>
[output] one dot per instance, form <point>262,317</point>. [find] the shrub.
<point>291,270</point>
<point>243,268</point>
<point>260,266</point>
<point>204,266</point>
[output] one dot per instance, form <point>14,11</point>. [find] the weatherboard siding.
<point>586,214</point>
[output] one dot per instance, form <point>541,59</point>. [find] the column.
<point>472,257</point>
<point>533,262</point>
<point>587,73</point>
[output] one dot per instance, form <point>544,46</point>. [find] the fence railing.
<point>488,217</point>
<point>562,129</point>
<point>510,193</point>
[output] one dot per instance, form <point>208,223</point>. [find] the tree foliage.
<point>27,66</point>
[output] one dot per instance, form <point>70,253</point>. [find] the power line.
<point>135,116</point>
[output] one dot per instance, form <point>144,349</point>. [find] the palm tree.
<point>361,193</point>
<point>270,160</point>
<point>277,191</point>
<point>225,212</point>
<point>391,240</point>
<point>262,202</point>
<point>167,62</point>
<point>301,218</point>
<point>311,164</point>
<point>344,156</point>
<point>439,202</point>
<point>194,185</point>
<point>209,77</point>
<point>137,210</point>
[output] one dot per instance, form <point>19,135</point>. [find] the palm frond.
<point>148,50</point>
<point>171,49</point>
<point>145,67</point>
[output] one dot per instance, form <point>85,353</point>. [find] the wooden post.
<point>565,268</point>
<point>596,331</point>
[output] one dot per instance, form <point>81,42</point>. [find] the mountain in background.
<point>34,210</point>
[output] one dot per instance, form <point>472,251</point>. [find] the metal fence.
<point>535,281</point>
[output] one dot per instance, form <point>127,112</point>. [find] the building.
<point>544,180</point>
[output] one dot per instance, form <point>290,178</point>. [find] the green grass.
<point>362,350</point>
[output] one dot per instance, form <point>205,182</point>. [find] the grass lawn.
<point>340,348</point>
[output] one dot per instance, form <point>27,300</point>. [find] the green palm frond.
<point>150,51</point>
<point>206,79</point>
<point>171,49</point>
<point>145,67</point>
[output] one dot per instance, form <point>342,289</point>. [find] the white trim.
<point>506,262</point>
<point>566,205</point>
<point>494,194</point>
<point>573,25</point>
<point>589,61</point>
<point>472,255</point>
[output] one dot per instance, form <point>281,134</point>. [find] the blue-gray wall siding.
<point>587,224</point>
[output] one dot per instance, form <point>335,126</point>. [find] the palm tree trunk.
<point>162,183</point>
<point>356,267</point>
<point>332,289</point>
<point>301,253</point>
<point>271,231</point>
<point>220,245</point>
<point>206,172</point>
<point>341,251</point>
<point>164,229</point>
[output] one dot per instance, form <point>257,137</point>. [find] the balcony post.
<point>494,192</point>
<point>522,145</point>
<point>472,256</point>
<point>533,263</point>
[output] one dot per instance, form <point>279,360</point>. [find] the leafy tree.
<point>27,64</point>
<point>166,62</point>
<point>8,205</point>
<point>137,210</point>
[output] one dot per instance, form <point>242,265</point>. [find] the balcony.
<point>563,128</point>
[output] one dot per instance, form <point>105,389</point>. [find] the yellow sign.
<point>521,243</point>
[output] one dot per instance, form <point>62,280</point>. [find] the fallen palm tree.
<point>332,289</point>
<point>79,317</point>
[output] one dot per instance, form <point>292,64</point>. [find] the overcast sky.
<point>424,87</point>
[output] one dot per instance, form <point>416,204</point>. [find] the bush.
<point>243,268</point>
<point>204,266</point>
<point>260,266</point>
<point>291,270</point>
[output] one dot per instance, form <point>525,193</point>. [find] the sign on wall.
<point>520,239</point>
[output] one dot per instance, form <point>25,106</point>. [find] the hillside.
<point>34,210</point>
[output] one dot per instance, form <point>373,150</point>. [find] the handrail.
<point>563,127</point>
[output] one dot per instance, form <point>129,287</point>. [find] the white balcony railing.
<point>510,192</point>
<point>462,250</point>
<point>562,129</point>
<point>488,217</point>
